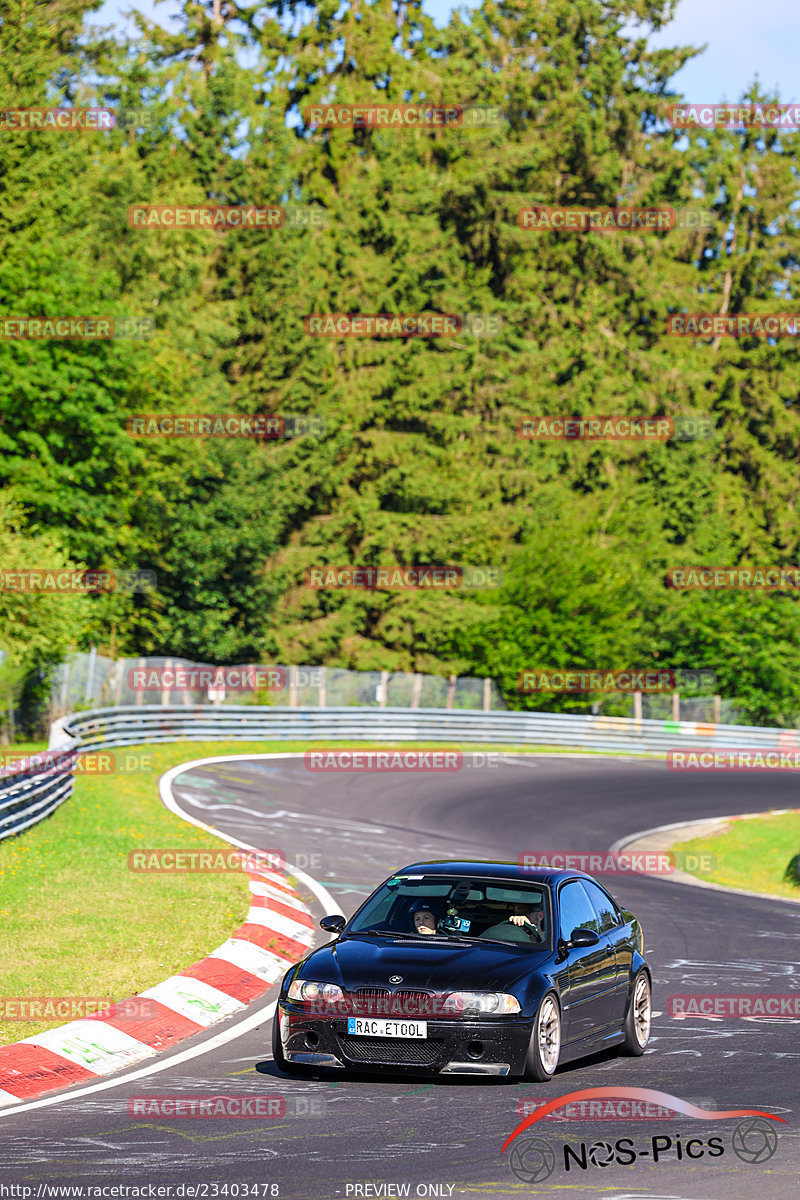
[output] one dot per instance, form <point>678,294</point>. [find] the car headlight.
<point>309,989</point>
<point>477,1003</point>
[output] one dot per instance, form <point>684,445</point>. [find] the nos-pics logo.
<point>532,1159</point>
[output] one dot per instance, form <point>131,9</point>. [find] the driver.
<point>524,924</point>
<point>423,918</point>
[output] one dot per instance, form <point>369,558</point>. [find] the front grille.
<point>412,995</point>
<point>369,996</point>
<point>380,1002</point>
<point>400,1051</point>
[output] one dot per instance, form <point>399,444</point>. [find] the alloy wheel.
<point>549,1034</point>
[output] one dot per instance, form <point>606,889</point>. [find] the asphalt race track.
<point>359,1137</point>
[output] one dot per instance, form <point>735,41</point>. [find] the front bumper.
<point>452,1047</point>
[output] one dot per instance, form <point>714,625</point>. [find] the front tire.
<point>545,1043</point>
<point>639,1017</point>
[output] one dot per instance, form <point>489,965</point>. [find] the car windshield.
<point>441,906</point>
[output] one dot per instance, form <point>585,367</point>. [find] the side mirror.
<point>584,937</point>
<point>333,924</point>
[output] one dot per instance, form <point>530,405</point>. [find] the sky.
<point>744,40</point>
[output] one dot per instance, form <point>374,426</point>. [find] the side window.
<point>575,911</point>
<point>603,906</point>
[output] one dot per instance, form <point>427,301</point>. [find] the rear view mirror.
<point>584,937</point>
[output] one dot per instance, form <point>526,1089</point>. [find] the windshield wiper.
<point>456,937</point>
<point>389,933</point>
<point>420,937</point>
<point>500,942</point>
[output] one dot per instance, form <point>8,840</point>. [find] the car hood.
<point>363,961</point>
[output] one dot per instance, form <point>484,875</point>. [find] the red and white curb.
<point>277,932</point>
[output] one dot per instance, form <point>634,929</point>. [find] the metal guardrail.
<point>29,795</point>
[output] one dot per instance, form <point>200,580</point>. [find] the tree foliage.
<point>420,462</point>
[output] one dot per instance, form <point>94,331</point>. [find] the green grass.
<point>75,922</point>
<point>20,748</point>
<point>753,853</point>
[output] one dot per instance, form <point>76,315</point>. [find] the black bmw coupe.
<point>469,968</point>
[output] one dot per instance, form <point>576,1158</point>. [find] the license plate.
<point>372,1027</point>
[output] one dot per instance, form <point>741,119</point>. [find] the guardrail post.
<point>138,688</point>
<point>637,706</point>
<point>676,706</point>
<point>293,687</point>
<point>717,710</point>
<point>451,691</point>
<point>64,683</point>
<point>116,673</point>
<point>322,682</point>
<point>165,691</point>
<point>416,691</point>
<point>87,691</point>
<point>382,689</point>
<point>487,695</point>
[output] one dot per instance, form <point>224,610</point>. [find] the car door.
<point>591,969</point>
<point>620,935</point>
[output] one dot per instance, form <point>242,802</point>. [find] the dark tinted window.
<point>603,906</point>
<point>575,911</point>
<point>468,908</point>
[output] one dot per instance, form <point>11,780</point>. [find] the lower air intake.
<point>400,1052</point>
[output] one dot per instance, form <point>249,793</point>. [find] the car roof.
<point>494,870</point>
